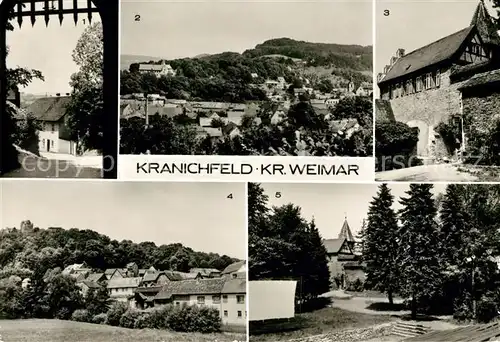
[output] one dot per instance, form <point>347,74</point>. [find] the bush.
<point>395,146</point>
<point>115,313</point>
<point>143,320</point>
<point>129,317</point>
<point>101,318</point>
<point>355,286</point>
<point>158,317</point>
<point>486,309</point>
<point>80,316</point>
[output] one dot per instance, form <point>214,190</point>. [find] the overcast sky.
<point>174,29</point>
<point>414,24</point>
<point>198,215</point>
<point>47,49</point>
<point>330,203</point>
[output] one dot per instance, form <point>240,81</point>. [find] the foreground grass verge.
<point>323,321</point>
<point>51,330</point>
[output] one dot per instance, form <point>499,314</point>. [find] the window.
<point>53,128</point>
<point>201,299</point>
<point>216,299</point>
<point>240,299</point>
<point>43,141</point>
<point>239,314</point>
<point>224,298</point>
<point>225,313</point>
<point>235,275</point>
<point>177,303</point>
<point>438,78</point>
<point>52,143</point>
<point>428,80</point>
<point>419,83</point>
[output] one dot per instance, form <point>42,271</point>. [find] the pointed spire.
<point>485,24</point>
<point>345,232</point>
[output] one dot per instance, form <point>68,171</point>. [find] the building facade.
<point>423,87</point>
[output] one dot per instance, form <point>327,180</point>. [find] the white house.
<point>158,70</point>
<point>54,133</point>
<point>122,289</point>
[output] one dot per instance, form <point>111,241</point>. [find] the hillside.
<point>127,60</point>
<point>30,247</point>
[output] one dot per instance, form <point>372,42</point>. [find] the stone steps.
<point>409,330</point>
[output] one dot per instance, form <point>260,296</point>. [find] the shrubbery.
<point>183,318</point>
<point>395,146</point>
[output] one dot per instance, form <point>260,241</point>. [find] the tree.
<point>420,267</point>
<point>10,132</point>
<point>97,301</point>
<point>380,244</point>
<point>85,111</point>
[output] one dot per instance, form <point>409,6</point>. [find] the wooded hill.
<point>25,249</point>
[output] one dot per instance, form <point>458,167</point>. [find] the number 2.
<point>137,17</point>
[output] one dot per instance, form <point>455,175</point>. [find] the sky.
<point>198,215</point>
<point>329,204</point>
<point>175,29</point>
<point>47,49</point>
<point>413,24</point>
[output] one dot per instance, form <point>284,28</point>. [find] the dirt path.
<point>428,173</point>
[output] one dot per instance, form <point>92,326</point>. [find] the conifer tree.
<point>319,261</point>
<point>418,257</point>
<point>380,244</point>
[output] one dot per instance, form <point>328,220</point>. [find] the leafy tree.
<point>97,301</point>
<point>419,263</point>
<point>85,111</point>
<point>380,244</point>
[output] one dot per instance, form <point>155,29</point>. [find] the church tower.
<point>487,29</point>
<point>345,233</point>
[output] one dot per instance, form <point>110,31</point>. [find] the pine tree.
<point>418,259</point>
<point>380,244</point>
<point>319,261</point>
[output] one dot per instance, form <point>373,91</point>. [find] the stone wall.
<point>429,108</point>
<point>483,111</point>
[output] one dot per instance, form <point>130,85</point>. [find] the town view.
<point>53,126</point>
<point>368,262</point>
<point>98,279</point>
<point>282,96</point>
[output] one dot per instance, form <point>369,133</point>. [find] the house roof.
<point>191,287</point>
<point>152,276</point>
<point>204,271</point>
<point>345,232</point>
<point>428,55</point>
<point>333,246</point>
<point>49,108</point>
<point>124,282</point>
<point>150,67</point>
<point>229,127</point>
<point>235,286</point>
<point>485,25</point>
<point>485,78</point>
<point>91,284</point>
<point>95,277</point>
<point>234,267</point>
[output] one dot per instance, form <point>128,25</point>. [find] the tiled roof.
<point>91,284</point>
<point>49,108</point>
<point>192,287</point>
<point>152,276</point>
<point>428,55</point>
<point>345,232</point>
<point>485,78</point>
<point>124,282</point>
<point>235,286</point>
<point>95,277</point>
<point>234,267</point>
<point>333,246</point>
<point>204,271</point>
<point>150,67</point>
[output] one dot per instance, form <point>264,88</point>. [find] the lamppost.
<point>473,274</point>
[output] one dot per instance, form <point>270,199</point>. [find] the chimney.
<point>400,53</point>
<point>67,94</point>
<point>386,69</point>
<point>58,94</point>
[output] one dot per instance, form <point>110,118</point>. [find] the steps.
<point>408,330</point>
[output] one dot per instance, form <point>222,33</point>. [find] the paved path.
<point>427,173</point>
<point>35,167</point>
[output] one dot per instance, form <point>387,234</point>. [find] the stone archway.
<point>424,134</point>
<point>108,11</point>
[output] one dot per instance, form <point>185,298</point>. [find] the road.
<point>428,173</point>
<point>52,168</point>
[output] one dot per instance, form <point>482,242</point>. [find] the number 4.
<point>230,196</point>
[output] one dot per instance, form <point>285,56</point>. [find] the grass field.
<point>318,322</point>
<point>40,330</point>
